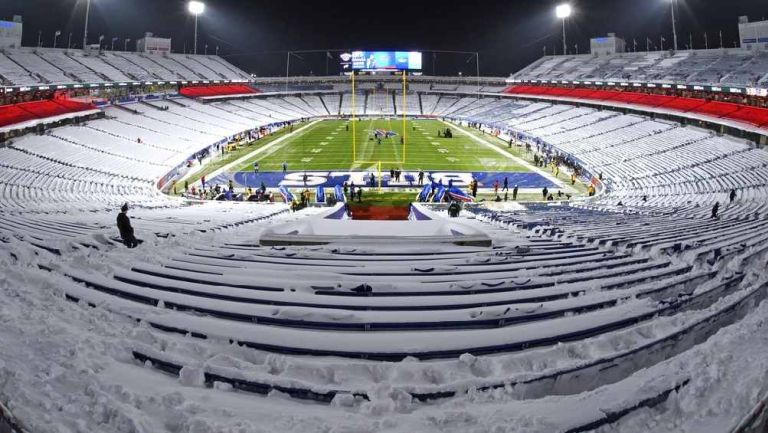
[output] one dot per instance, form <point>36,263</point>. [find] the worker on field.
<point>544,193</point>
<point>421,177</point>
<point>256,167</point>
<point>285,167</point>
<point>514,193</point>
<point>360,195</point>
<point>496,187</point>
<point>506,185</point>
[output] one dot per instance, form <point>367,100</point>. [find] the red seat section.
<point>753,115</point>
<point>205,91</point>
<point>583,93</point>
<point>12,114</point>
<point>684,104</point>
<point>26,111</point>
<point>725,110</point>
<point>719,109</point>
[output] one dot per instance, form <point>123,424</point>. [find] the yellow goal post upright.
<point>354,130</point>
<point>405,109</point>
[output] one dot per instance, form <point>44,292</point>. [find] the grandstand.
<point>626,309</point>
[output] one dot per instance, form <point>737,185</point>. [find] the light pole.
<point>206,49</point>
<point>563,12</point>
<point>101,38</point>
<point>69,41</point>
<point>85,32</point>
<point>39,38</point>
<point>113,44</point>
<point>674,25</point>
<point>125,45</point>
<point>56,37</point>
<point>196,8</point>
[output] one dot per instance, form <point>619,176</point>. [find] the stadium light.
<point>564,11</point>
<point>196,8</point>
<point>85,32</point>
<point>674,24</point>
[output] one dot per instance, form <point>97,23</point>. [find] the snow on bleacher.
<point>586,314</point>
<point>734,67</point>
<point>28,66</point>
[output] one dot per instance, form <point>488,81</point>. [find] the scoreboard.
<point>382,61</point>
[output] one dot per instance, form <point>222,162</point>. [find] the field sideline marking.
<point>240,161</point>
<point>522,162</point>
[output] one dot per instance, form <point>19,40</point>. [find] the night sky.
<point>508,34</point>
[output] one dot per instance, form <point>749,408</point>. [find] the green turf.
<point>327,145</point>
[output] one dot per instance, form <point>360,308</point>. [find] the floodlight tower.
<point>87,14</point>
<point>673,3</point>
<point>196,8</point>
<point>564,11</point>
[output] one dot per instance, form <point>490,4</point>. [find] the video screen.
<point>385,61</point>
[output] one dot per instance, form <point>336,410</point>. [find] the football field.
<point>328,145</point>
<point>322,153</point>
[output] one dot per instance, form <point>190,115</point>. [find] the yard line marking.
<point>498,149</point>
<point>277,143</point>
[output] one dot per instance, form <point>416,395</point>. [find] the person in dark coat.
<point>544,193</point>
<point>506,185</point>
<point>514,193</point>
<point>360,195</point>
<point>733,195</point>
<point>124,226</point>
<point>715,210</point>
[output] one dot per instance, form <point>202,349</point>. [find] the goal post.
<point>353,119</point>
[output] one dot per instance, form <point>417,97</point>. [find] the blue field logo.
<point>383,133</point>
